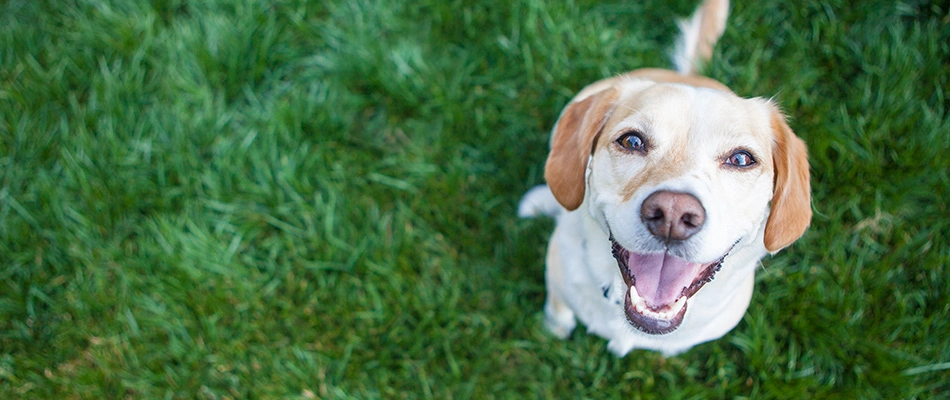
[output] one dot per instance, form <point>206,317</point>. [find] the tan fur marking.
<point>791,199</point>
<point>659,171</point>
<point>571,145</point>
<point>661,167</point>
<point>714,23</point>
<point>665,75</point>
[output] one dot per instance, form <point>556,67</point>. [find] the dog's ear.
<point>791,197</point>
<point>572,143</point>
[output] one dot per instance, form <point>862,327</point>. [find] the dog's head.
<point>679,176</point>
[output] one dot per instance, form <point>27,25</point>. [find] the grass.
<point>238,199</point>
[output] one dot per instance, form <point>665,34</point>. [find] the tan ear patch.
<point>791,212</point>
<point>571,145</point>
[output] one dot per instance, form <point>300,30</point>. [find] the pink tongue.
<point>660,278</point>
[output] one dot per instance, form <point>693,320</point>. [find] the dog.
<point>667,189</point>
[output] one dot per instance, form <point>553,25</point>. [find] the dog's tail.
<point>698,36</point>
<point>539,201</point>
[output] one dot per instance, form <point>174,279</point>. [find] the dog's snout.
<point>672,216</point>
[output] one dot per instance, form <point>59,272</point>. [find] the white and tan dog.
<point>667,189</point>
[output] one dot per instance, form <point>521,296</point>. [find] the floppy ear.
<point>791,198</point>
<point>572,143</point>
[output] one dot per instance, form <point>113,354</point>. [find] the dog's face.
<point>679,177</point>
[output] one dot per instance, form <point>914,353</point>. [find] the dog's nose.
<point>672,216</point>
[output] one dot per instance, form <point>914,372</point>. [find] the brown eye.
<point>741,159</point>
<point>632,141</point>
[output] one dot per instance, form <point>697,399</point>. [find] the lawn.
<point>291,199</point>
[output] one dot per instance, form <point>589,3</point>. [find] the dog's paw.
<point>559,330</point>
<point>560,324</point>
<point>619,347</point>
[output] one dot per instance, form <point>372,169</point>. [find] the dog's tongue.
<point>660,278</point>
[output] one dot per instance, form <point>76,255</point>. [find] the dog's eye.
<point>741,159</point>
<point>632,141</point>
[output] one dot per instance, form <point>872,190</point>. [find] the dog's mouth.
<point>658,286</point>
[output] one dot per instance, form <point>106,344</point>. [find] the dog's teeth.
<point>678,305</point>
<point>640,306</point>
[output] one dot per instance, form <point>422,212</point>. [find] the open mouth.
<point>658,286</point>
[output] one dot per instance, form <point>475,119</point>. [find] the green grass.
<point>232,199</point>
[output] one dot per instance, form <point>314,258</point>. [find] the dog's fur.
<point>729,174</point>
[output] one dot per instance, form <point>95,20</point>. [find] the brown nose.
<point>672,216</point>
